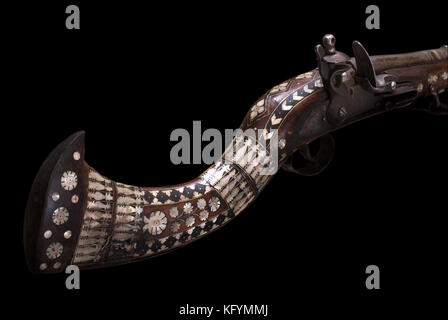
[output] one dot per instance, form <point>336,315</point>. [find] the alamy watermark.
<point>73,280</point>
<point>254,146</point>
<point>373,280</point>
<point>73,19</point>
<point>373,20</point>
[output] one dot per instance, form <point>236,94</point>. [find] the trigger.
<point>315,164</point>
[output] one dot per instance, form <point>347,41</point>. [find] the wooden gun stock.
<point>77,216</point>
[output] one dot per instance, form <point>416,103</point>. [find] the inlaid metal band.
<point>104,251</point>
<point>97,219</point>
<point>289,103</point>
<point>248,178</point>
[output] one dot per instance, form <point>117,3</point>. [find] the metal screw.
<point>420,87</point>
<point>282,143</point>
<point>393,85</point>
<point>342,112</point>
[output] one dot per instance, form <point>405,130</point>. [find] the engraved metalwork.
<point>156,223</point>
<point>54,250</point>
<point>69,180</point>
<point>60,216</point>
<point>214,204</point>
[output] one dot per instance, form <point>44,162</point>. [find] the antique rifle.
<point>75,215</point>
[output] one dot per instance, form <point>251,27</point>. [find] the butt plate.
<point>55,207</point>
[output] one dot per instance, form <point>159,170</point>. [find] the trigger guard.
<point>316,164</point>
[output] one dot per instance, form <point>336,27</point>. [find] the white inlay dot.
<point>75,199</point>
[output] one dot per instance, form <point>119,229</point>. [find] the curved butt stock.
<point>77,216</point>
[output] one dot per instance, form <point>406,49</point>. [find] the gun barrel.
<point>382,63</point>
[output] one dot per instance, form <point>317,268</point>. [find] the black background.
<point>134,72</point>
